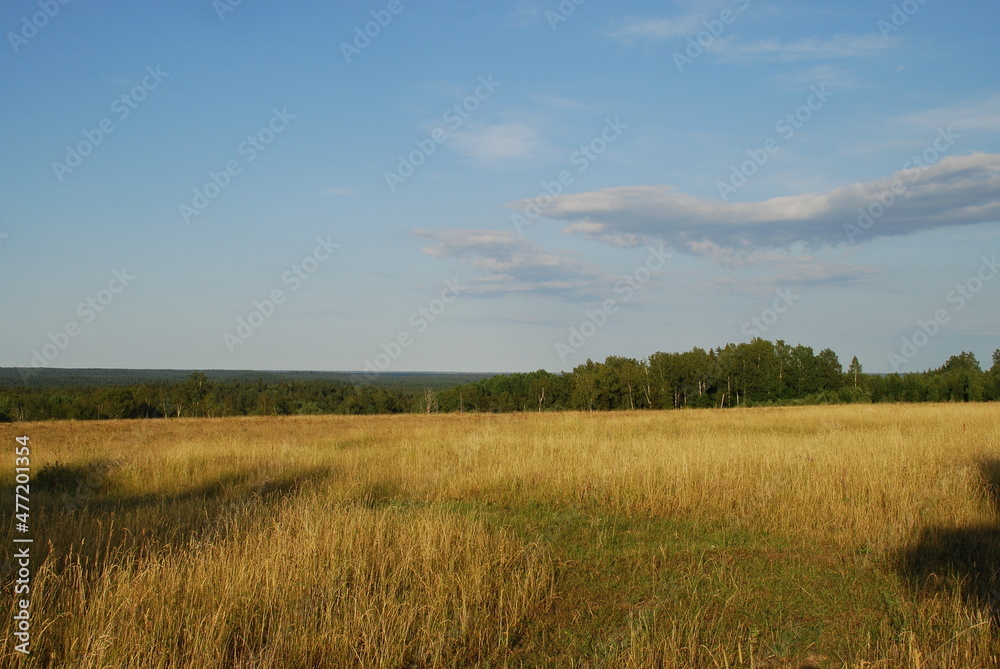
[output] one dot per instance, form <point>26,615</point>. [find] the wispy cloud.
<point>511,264</point>
<point>734,50</point>
<point>804,276</point>
<point>499,141</point>
<point>596,232</point>
<point>743,257</point>
<point>836,77</point>
<point>559,103</point>
<point>793,267</point>
<point>682,25</point>
<point>526,14</point>
<point>959,190</point>
<point>980,114</point>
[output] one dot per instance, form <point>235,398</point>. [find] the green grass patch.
<point>768,600</point>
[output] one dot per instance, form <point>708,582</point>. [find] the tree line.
<point>749,374</point>
<point>757,373</point>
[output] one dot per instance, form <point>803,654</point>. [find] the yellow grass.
<point>382,541</point>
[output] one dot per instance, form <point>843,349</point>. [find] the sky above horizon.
<point>439,186</point>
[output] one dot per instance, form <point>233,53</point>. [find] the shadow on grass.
<point>82,510</point>
<point>379,494</point>
<point>969,556</point>
<point>74,484</point>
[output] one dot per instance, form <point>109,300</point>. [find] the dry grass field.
<point>851,536</point>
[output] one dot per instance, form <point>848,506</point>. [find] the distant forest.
<point>758,373</point>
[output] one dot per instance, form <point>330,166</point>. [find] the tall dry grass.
<point>314,586</point>
<point>348,541</point>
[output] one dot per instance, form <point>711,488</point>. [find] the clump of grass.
<point>308,584</point>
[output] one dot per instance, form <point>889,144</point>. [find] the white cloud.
<point>959,190</point>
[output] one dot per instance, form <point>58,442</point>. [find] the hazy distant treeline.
<point>756,373</point>
<point>199,397</point>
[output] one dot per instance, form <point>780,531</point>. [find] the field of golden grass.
<point>849,536</point>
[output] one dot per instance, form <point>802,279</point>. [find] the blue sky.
<point>206,185</point>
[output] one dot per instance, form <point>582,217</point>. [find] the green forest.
<point>758,373</point>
